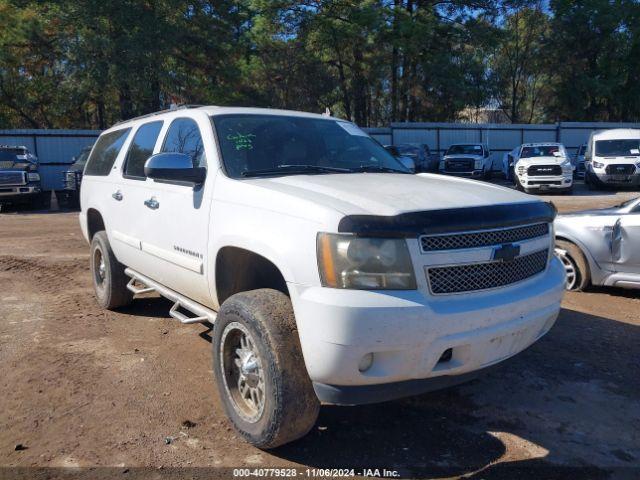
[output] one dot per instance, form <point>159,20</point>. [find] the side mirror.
<point>174,167</point>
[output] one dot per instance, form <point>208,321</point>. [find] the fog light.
<point>365,362</point>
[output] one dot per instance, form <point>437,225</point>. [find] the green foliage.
<point>89,63</point>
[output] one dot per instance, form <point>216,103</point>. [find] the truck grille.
<point>459,165</point>
<point>456,241</point>
<point>620,169</point>
<point>484,276</point>
<point>541,170</point>
<point>12,178</point>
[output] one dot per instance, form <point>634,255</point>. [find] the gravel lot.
<point>84,387</point>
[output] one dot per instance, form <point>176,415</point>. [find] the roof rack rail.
<point>172,109</point>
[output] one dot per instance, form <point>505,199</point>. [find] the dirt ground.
<point>82,387</point>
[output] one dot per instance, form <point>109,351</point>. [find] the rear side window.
<point>105,152</point>
<point>184,137</point>
<point>141,149</point>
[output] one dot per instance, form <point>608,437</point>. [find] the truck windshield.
<point>617,148</point>
<point>263,145</point>
<point>464,150</point>
<point>540,151</point>
<point>13,158</point>
<point>409,150</point>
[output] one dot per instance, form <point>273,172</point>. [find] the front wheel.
<point>109,279</point>
<point>259,370</point>
<point>575,265</point>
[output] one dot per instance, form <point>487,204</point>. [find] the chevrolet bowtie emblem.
<point>506,253</point>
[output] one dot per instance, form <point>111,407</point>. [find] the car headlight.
<point>348,261</point>
<point>520,170</point>
<point>597,164</point>
<point>33,176</point>
<point>566,166</point>
<point>478,164</point>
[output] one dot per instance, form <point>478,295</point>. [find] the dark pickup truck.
<point>20,179</point>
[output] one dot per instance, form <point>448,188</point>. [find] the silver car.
<point>601,247</point>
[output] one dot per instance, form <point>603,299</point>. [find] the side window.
<point>184,137</point>
<point>141,149</point>
<point>105,151</point>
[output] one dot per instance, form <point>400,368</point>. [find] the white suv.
<point>329,272</point>
<point>542,167</point>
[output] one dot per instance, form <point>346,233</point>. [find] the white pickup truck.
<point>539,167</point>
<point>329,272</point>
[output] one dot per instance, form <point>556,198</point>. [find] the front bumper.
<point>408,332</point>
<point>547,182</point>
<point>471,174</point>
<point>18,192</point>
<point>629,180</point>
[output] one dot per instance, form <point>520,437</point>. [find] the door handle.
<point>152,203</point>
<point>117,195</point>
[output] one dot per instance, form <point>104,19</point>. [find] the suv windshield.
<point>13,158</point>
<point>540,151</point>
<point>261,145</point>
<point>464,150</point>
<point>617,148</point>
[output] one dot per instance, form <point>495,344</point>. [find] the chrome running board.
<point>181,303</point>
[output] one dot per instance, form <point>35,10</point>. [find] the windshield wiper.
<point>377,168</point>
<point>294,169</point>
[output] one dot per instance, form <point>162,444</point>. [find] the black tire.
<point>110,281</point>
<point>486,175</point>
<point>288,407</point>
<point>572,257</point>
<point>593,183</point>
<point>567,191</point>
<point>42,201</point>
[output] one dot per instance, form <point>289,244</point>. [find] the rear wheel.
<point>575,265</point>
<point>259,370</point>
<point>109,279</point>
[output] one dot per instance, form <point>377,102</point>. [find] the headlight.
<point>347,261</point>
<point>566,166</point>
<point>478,164</point>
<point>33,176</point>
<point>597,164</point>
<point>520,170</point>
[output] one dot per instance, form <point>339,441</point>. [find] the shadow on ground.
<point>447,433</point>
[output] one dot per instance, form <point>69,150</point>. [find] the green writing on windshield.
<point>242,140</point>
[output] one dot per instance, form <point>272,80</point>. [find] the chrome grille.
<point>456,241</point>
<point>12,178</point>
<point>459,164</point>
<point>484,276</point>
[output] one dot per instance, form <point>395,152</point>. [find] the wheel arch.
<point>594,268</point>
<point>238,269</point>
<point>95,222</point>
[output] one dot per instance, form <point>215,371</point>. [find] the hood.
<point>387,193</point>
<point>550,160</point>
<point>76,167</point>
